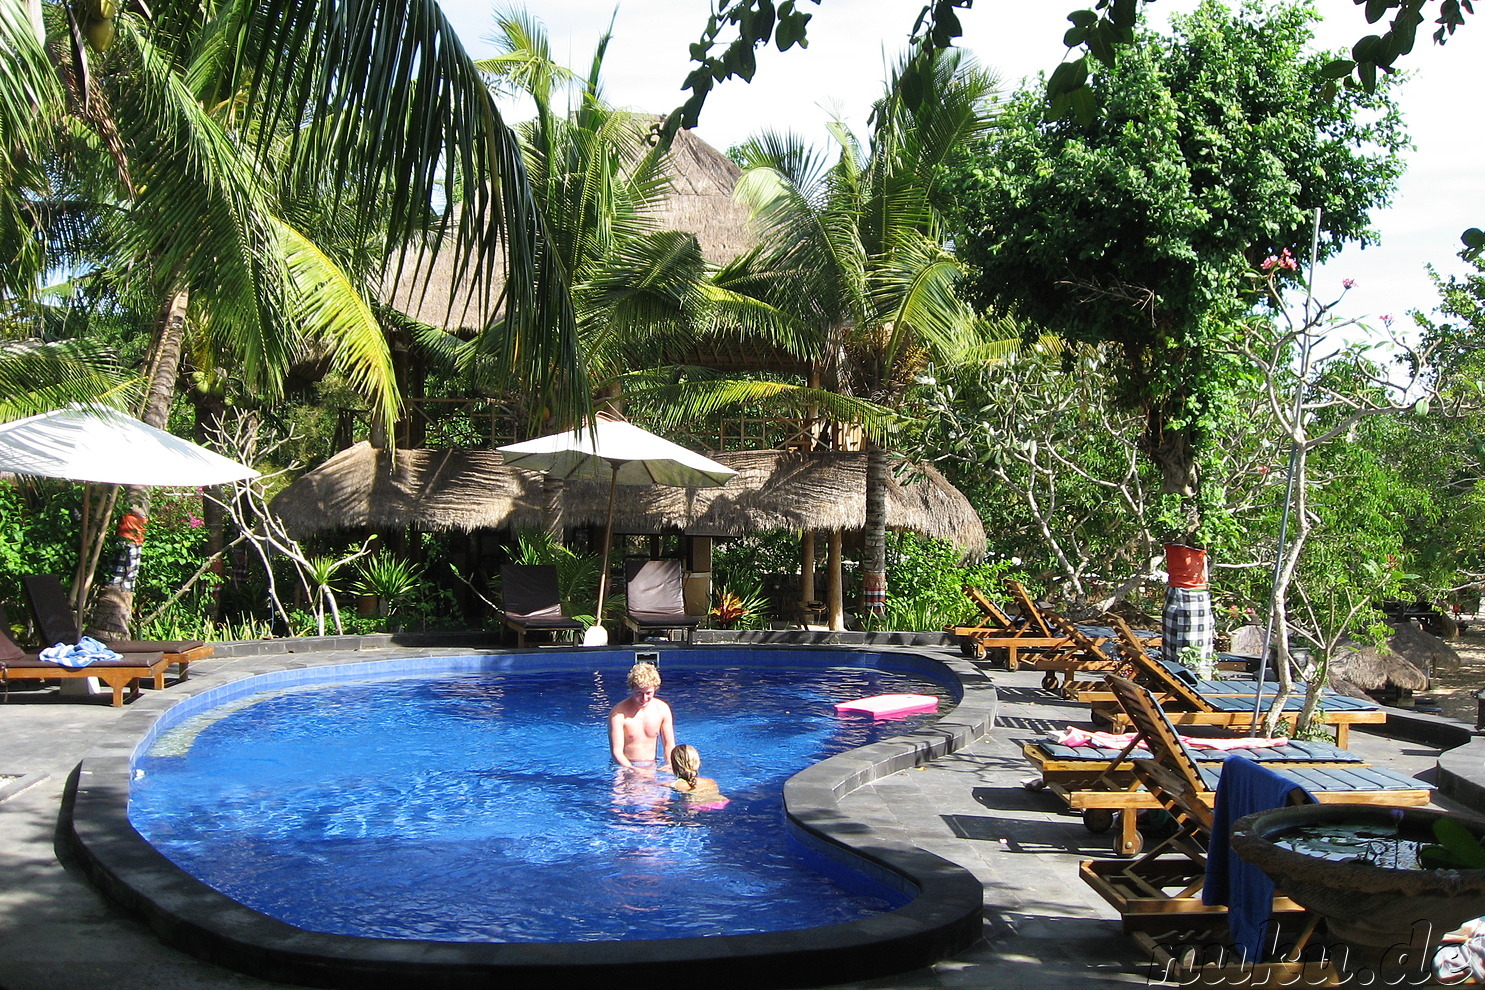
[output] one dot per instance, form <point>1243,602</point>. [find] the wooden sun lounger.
<point>1069,772</point>
<point>1084,646</point>
<point>56,623</point>
<point>1175,780</point>
<point>998,631</point>
<point>1184,705</point>
<point>18,665</point>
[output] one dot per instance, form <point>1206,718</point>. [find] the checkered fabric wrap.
<point>1187,621</point>
<point>125,569</point>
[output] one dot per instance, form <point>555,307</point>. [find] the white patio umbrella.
<point>104,446</point>
<point>621,454</point>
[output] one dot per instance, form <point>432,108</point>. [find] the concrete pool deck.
<point>1042,925</point>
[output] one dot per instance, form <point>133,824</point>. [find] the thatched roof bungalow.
<point>699,203</point>
<point>363,487</point>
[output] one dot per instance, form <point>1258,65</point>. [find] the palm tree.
<point>600,180</point>
<point>853,270</point>
<point>219,113</point>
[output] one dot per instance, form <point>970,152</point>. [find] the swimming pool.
<point>484,806</point>
<point>480,686</point>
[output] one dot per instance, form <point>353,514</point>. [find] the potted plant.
<point>389,581</point>
<point>1374,873</point>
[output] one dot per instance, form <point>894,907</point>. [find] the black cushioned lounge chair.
<point>18,665</point>
<point>655,600</point>
<point>528,594</point>
<point>56,623</point>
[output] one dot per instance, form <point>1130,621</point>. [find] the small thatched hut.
<point>1408,664</point>
<point>465,490</point>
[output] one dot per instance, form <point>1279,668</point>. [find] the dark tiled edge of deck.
<point>943,919</point>
<point>1461,768</point>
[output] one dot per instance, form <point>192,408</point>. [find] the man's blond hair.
<point>643,675</point>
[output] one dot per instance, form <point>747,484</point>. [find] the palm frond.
<point>36,377</point>
<point>327,307</point>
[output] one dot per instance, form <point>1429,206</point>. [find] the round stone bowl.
<point>1363,904</point>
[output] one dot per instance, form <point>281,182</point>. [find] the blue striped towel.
<point>87,650</point>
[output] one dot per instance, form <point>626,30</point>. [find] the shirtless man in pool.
<point>640,720</point>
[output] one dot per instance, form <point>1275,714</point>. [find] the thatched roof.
<point>699,202</point>
<point>362,487</point>
<point>785,489</point>
<point>365,488</point>
<point>1409,664</point>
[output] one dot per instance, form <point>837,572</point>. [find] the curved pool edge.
<point>943,919</point>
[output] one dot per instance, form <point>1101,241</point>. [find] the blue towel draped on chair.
<point>87,650</point>
<point>1245,787</point>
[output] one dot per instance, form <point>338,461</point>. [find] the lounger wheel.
<point>1049,681</point>
<point>1130,848</point>
<point>970,649</point>
<point>1012,662</point>
<point>1098,820</point>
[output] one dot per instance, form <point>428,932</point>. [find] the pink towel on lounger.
<point>1109,740</point>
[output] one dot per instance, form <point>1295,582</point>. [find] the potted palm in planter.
<point>386,583</point>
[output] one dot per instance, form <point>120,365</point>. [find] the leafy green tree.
<point>727,49</point>
<point>1210,151</point>
<point>1446,453</point>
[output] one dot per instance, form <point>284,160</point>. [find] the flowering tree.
<point>1138,230</point>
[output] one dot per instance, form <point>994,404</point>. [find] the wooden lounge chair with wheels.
<point>1173,773</point>
<point>1184,704</point>
<point>1069,771</point>
<point>654,598</point>
<point>57,623</point>
<point>531,603</point>
<point>18,665</point>
<point>996,630</point>
<point>1083,646</point>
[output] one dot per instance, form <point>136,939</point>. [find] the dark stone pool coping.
<point>943,919</point>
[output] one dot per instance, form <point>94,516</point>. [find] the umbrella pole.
<point>608,540</point>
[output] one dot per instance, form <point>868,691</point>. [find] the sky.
<point>853,41</point>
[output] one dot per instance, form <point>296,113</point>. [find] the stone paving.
<point>1042,926</point>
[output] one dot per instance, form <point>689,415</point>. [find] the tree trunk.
<point>114,607</point>
<point>874,541</point>
<point>835,605</point>
<point>1171,450</point>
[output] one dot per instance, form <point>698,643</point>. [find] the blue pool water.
<point>483,807</point>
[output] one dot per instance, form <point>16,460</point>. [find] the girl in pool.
<point>698,791</point>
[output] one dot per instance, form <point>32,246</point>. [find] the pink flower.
<point>1387,320</point>
<point>1348,283</point>
<point>194,522</point>
<point>1283,260</point>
